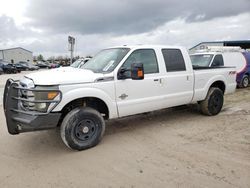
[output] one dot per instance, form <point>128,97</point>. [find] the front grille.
<point>28,95</point>
<point>29,99</point>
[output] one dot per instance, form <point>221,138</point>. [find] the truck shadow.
<point>50,142</point>
<point>160,117</point>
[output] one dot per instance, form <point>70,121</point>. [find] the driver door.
<point>138,96</point>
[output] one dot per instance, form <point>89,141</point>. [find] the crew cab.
<point>117,82</point>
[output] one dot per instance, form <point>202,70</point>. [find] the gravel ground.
<point>176,147</point>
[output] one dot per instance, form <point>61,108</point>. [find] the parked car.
<point>42,65</point>
<point>117,82</point>
<point>8,67</point>
<point>225,56</point>
<point>54,65</point>
<point>1,71</point>
<point>20,67</point>
<point>78,63</point>
<point>28,65</point>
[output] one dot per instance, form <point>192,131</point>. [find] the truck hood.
<point>63,75</point>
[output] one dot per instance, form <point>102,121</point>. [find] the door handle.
<point>160,80</point>
<point>123,96</point>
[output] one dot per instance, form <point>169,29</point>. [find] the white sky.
<point>14,9</point>
<point>19,31</point>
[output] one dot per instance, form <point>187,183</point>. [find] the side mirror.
<point>137,71</point>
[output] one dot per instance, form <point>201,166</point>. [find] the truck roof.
<point>148,46</point>
<point>208,53</point>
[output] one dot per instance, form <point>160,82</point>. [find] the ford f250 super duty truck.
<point>117,82</point>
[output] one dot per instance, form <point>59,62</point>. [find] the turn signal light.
<point>140,73</point>
<point>52,95</point>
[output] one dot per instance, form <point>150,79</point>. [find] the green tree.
<point>40,57</point>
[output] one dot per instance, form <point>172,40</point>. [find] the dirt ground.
<point>176,147</point>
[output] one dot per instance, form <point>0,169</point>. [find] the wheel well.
<point>220,85</point>
<point>92,102</point>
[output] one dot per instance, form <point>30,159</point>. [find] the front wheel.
<point>213,102</point>
<point>82,128</point>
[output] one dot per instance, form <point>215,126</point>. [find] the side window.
<point>145,56</point>
<point>218,61</point>
<point>174,60</point>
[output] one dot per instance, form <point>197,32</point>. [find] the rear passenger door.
<point>178,79</point>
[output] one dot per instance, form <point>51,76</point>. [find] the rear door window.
<point>174,60</point>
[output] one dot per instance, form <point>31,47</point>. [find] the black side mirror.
<point>137,71</point>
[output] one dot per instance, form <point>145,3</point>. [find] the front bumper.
<point>21,120</point>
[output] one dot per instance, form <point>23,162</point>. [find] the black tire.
<point>245,81</point>
<point>213,102</point>
<point>82,128</point>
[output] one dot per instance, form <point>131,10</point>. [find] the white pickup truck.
<point>117,82</point>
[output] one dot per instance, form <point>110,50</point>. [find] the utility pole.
<point>71,41</point>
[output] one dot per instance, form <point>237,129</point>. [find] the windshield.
<point>201,60</point>
<point>76,63</point>
<point>106,60</point>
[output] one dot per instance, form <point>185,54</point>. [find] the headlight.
<point>46,98</point>
<point>41,99</point>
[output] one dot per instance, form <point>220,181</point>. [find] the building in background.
<point>244,44</point>
<point>14,55</point>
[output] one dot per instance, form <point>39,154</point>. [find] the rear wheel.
<point>245,81</point>
<point>213,102</point>
<point>82,128</point>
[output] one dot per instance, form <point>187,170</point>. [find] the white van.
<point>225,56</point>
